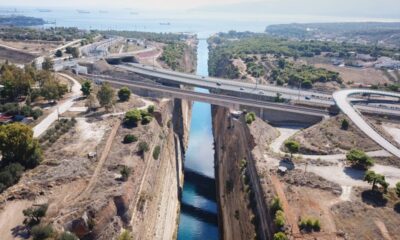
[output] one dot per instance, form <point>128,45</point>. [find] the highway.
<point>210,97</point>
<point>344,104</point>
<point>229,85</point>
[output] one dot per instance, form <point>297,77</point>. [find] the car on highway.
<point>307,98</point>
<point>219,84</point>
<point>241,89</point>
<point>261,92</point>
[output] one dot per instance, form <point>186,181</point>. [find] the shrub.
<point>280,236</point>
<point>143,147</point>
<point>10,175</point>
<point>151,109</point>
<point>41,232</point>
<point>34,215</point>
<point>276,205</point>
<point>156,152</point>
<point>250,117</point>
<point>279,219</point>
<point>124,94</point>
<point>130,138</point>
<point>146,120</point>
<point>345,124</point>
<point>125,235</point>
<point>125,172</point>
<point>359,159</point>
<point>68,236</point>
<point>36,113</point>
<point>133,117</point>
<point>292,147</point>
<point>398,189</point>
<point>309,224</point>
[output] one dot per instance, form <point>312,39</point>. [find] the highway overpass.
<point>342,100</point>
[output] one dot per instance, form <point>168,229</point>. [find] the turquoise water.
<point>198,219</point>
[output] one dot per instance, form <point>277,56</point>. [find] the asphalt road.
<point>342,101</point>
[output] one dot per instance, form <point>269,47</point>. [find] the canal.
<point>198,217</point>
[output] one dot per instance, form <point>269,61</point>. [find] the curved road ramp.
<point>344,104</point>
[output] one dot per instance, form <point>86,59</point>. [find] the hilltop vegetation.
<point>385,34</point>
<point>48,34</point>
<point>150,36</point>
<point>20,21</point>
<point>172,55</point>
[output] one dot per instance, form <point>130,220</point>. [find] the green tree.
<point>125,235</point>
<point>124,94</point>
<point>86,88</point>
<point>279,219</point>
<point>59,53</point>
<point>106,96</point>
<point>250,117</point>
<point>292,147</point>
<point>53,90</point>
<point>74,51</point>
<point>125,172</point>
<point>359,158</point>
<point>376,179</point>
<point>345,124</point>
<point>276,205</point>
<point>143,147</point>
<point>133,117</point>
<point>17,145</point>
<point>47,64</point>
<point>398,189</point>
<point>150,109</point>
<point>42,232</point>
<point>280,236</point>
<point>130,138</point>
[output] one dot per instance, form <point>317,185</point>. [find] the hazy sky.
<point>348,8</point>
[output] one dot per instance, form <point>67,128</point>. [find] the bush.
<point>130,138</point>
<point>125,235</point>
<point>34,215</point>
<point>146,120</point>
<point>124,94</point>
<point>36,113</point>
<point>41,232</point>
<point>398,189</point>
<point>10,175</point>
<point>279,219</point>
<point>276,205</point>
<point>125,172</point>
<point>68,236</point>
<point>143,147</point>
<point>151,109</point>
<point>345,124</point>
<point>359,159</point>
<point>133,117</point>
<point>250,117</point>
<point>156,152</point>
<point>280,236</point>
<point>309,224</point>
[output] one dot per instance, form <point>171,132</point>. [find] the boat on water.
<point>102,11</point>
<point>83,11</point>
<point>44,10</point>
<point>165,23</point>
<point>134,13</point>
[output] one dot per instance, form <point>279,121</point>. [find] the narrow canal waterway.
<point>198,218</point>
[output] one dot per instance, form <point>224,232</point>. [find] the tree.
<point>47,64</point>
<point>53,90</point>
<point>276,205</point>
<point>41,232</point>
<point>279,219</point>
<point>74,51</point>
<point>133,117</point>
<point>278,98</point>
<point>143,147</point>
<point>17,145</point>
<point>86,88</point>
<point>150,109</point>
<point>292,147</point>
<point>91,102</point>
<point>281,63</point>
<point>106,96</point>
<point>130,138</point>
<point>250,117</point>
<point>398,189</point>
<point>146,120</point>
<point>59,53</point>
<point>124,94</point>
<point>280,236</point>
<point>125,172</point>
<point>345,124</point>
<point>373,178</point>
<point>359,158</point>
<point>125,235</point>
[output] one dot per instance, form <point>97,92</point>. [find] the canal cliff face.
<point>243,210</point>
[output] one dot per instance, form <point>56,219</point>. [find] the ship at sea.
<point>44,10</point>
<point>165,23</point>
<point>83,11</point>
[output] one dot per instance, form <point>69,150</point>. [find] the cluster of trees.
<point>173,54</point>
<point>304,75</point>
<point>136,116</point>
<point>279,218</point>
<point>254,69</point>
<point>150,36</point>
<point>12,109</point>
<point>54,133</point>
<point>359,159</point>
<point>19,83</point>
<point>45,34</point>
<point>310,224</point>
<point>19,151</point>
